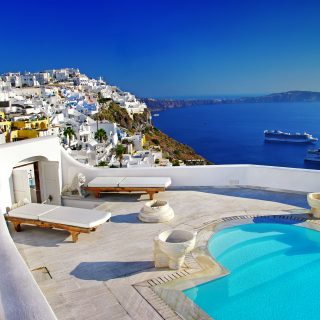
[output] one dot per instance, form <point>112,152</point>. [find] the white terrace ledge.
<point>252,176</point>
<point>246,175</point>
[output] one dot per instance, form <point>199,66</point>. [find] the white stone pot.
<point>172,246</point>
<point>156,211</point>
<point>314,202</point>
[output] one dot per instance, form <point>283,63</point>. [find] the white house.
<point>43,77</point>
<point>29,80</point>
<point>61,75</point>
<point>110,128</point>
<point>81,80</point>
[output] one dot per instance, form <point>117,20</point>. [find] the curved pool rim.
<point>172,291</point>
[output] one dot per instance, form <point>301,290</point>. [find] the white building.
<point>61,75</point>
<point>29,80</point>
<point>43,77</point>
<point>110,128</point>
<point>81,80</point>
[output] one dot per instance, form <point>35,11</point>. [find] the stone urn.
<point>314,202</point>
<point>171,247</point>
<point>156,211</point>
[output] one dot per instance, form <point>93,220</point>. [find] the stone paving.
<point>95,278</point>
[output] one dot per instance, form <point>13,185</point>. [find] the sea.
<point>233,133</point>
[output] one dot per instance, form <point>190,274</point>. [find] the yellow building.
<point>22,134</point>
<point>143,140</point>
<point>31,124</point>
<point>5,126</point>
<point>24,129</point>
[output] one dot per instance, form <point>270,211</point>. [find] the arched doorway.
<point>36,180</point>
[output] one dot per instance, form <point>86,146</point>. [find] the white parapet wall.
<point>255,176</point>
<point>283,178</point>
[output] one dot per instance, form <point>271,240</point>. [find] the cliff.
<point>171,148</point>
<point>290,96</point>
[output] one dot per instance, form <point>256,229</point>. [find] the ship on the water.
<point>287,137</point>
<point>313,155</point>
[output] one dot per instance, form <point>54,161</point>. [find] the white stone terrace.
<point>93,278</point>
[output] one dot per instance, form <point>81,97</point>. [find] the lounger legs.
<point>151,194</point>
<point>74,235</point>
<point>17,226</point>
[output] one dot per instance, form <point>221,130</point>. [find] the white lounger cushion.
<point>83,218</point>
<point>107,182</point>
<point>32,210</point>
<point>145,182</point>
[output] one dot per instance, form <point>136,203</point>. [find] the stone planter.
<point>156,211</point>
<point>171,247</point>
<point>314,202</point>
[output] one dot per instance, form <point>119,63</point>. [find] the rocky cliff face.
<point>171,148</point>
<point>112,112</point>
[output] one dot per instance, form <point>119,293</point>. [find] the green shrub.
<point>155,141</point>
<point>176,163</point>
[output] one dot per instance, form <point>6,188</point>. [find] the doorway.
<point>36,181</point>
<point>26,182</point>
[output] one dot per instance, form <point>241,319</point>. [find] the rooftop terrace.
<point>94,278</point>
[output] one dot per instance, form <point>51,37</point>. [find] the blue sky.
<point>169,47</point>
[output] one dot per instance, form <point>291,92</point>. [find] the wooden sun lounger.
<point>44,216</point>
<point>150,185</point>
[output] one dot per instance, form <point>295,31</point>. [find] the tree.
<point>120,150</point>
<point>155,141</point>
<point>100,135</point>
<point>69,132</point>
<point>102,164</point>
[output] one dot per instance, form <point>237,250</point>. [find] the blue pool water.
<point>233,134</point>
<point>274,274</point>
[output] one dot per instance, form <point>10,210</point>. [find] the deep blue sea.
<point>233,133</point>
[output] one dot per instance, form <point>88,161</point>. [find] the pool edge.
<point>171,291</point>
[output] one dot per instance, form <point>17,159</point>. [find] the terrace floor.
<point>93,278</point>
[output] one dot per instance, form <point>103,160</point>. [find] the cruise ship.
<point>313,155</point>
<point>279,136</point>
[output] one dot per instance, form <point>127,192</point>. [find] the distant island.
<point>290,96</point>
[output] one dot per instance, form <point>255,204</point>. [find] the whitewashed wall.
<point>273,178</point>
<point>12,153</point>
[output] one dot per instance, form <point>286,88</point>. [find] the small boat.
<point>156,114</point>
<point>313,155</point>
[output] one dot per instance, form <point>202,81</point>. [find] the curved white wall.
<point>273,178</point>
<point>12,153</point>
<point>21,298</point>
<point>276,178</point>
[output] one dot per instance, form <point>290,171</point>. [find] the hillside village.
<point>97,123</point>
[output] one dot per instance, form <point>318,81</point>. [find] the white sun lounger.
<point>74,220</point>
<point>151,185</point>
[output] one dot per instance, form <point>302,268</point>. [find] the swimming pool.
<point>274,274</point>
